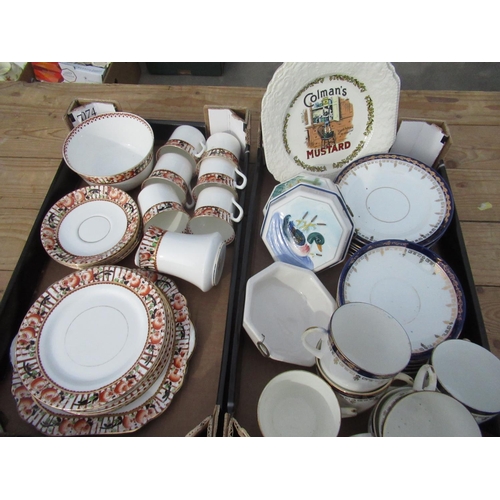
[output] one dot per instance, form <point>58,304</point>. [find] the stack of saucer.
<point>93,225</point>
<point>63,385</point>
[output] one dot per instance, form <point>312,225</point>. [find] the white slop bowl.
<point>113,148</point>
<point>281,302</point>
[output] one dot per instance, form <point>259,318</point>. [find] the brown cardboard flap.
<point>81,102</point>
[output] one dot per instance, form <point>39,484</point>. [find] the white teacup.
<point>175,170</point>
<point>187,141</point>
<point>421,411</point>
<point>219,172</point>
<point>363,349</point>
<point>161,207</point>
<point>222,145</point>
<point>214,212</point>
<point>198,259</point>
<point>298,403</point>
<point>471,374</point>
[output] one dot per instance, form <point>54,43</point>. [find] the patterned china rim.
<point>49,231</point>
<point>120,176</point>
<point>317,117</point>
<point>131,418</point>
<point>424,256</point>
<point>219,214</point>
<point>166,206</point>
<point>443,207</point>
<point>159,343</point>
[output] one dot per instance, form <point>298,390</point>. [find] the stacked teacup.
<point>193,249</point>
<point>363,351</point>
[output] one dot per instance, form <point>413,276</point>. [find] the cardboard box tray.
<point>250,371</point>
<point>195,406</point>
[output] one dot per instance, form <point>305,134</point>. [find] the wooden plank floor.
<point>32,132</point>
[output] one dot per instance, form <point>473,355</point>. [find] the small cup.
<point>198,259</point>
<point>187,141</point>
<point>160,206</point>
<point>363,349</point>
<point>469,373</point>
<point>175,170</point>
<point>298,403</point>
<point>222,145</point>
<point>214,212</point>
<point>219,172</point>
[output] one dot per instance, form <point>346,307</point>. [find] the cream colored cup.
<point>160,206</point>
<point>215,212</point>
<point>222,145</point>
<point>198,259</point>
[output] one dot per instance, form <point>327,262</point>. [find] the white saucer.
<point>412,284</point>
<point>319,117</point>
<point>396,197</point>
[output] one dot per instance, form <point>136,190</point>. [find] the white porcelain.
<point>174,170</point>
<point>298,403</point>
<point>308,226</point>
<point>412,284</point>
<point>219,172</point>
<point>471,374</point>
<point>319,117</point>
<point>281,301</point>
<point>187,141</point>
<point>91,225</point>
<point>216,210</point>
<point>222,145</point>
<point>94,338</point>
<point>363,348</point>
<point>160,206</point>
<point>112,148</point>
<point>198,259</point>
<point>429,414</point>
<point>396,197</point>
<point>313,180</point>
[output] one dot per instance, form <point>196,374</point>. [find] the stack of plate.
<point>101,351</point>
<point>91,226</point>
<point>414,285</point>
<point>395,197</point>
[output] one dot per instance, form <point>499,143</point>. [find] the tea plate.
<point>93,338</point>
<point>412,284</point>
<point>138,412</point>
<point>396,197</point>
<point>90,226</point>
<point>319,117</point>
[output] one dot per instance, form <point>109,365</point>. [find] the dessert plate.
<point>412,284</point>
<point>135,414</point>
<point>319,117</point>
<point>396,197</point>
<point>92,225</point>
<point>93,338</point>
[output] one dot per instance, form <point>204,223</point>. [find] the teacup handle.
<point>190,204</point>
<point>315,351</point>
<point>348,412</point>
<point>243,177</point>
<point>425,379</point>
<point>240,210</point>
<point>203,149</point>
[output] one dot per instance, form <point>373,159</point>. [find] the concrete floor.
<point>414,75</point>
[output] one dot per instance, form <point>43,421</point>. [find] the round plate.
<point>91,226</point>
<point>319,117</point>
<point>412,284</point>
<point>396,197</point>
<point>93,338</point>
<point>139,412</point>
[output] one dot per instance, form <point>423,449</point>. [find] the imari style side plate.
<point>319,117</point>
<point>91,226</point>
<point>94,339</point>
<point>138,412</point>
